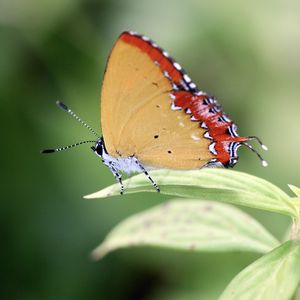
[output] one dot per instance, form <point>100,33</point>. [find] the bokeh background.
<point>245,53</point>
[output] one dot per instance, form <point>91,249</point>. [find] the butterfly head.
<point>99,147</point>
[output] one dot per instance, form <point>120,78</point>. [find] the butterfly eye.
<point>99,149</point>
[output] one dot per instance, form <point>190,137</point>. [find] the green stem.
<point>295,230</point>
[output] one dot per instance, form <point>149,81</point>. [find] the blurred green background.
<point>246,54</point>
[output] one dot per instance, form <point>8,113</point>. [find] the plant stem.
<point>295,230</point>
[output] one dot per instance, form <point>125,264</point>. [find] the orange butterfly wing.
<point>138,113</point>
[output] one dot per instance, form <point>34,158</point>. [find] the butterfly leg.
<point>147,174</point>
<point>117,176</point>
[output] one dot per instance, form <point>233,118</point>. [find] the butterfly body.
<point>127,165</point>
<point>116,164</point>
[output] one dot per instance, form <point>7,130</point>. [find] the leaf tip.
<point>294,189</point>
<point>90,196</point>
<point>94,256</point>
<point>98,253</point>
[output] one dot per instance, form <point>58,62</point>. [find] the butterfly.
<point>153,116</point>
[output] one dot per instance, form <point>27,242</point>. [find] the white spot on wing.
<point>195,138</point>
<point>177,65</point>
<point>172,96</point>
<point>212,149</point>
<point>167,75</point>
<point>207,135</point>
<point>174,107</point>
<point>165,53</point>
<point>199,93</point>
<point>187,78</point>
<point>184,85</point>
<point>133,32</point>
<point>192,85</point>
<point>203,125</point>
<point>145,38</point>
<point>174,86</point>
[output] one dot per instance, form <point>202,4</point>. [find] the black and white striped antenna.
<point>70,112</point>
<point>66,147</point>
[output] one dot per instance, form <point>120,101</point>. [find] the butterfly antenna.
<point>259,141</point>
<point>263,162</point>
<point>66,147</point>
<point>69,111</point>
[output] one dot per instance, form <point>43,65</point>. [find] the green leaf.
<point>296,201</point>
<point>190,225</point>
<point>295,190</point>
<point>276,275</point>
<point>210,184</point>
